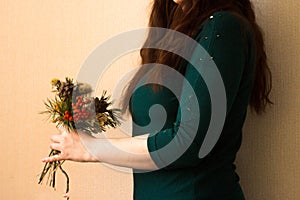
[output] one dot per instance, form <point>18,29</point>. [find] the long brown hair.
<point>167,14</point>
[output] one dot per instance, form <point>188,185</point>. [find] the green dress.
<point>229,40</point>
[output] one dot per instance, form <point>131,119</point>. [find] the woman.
<point>227,30</point>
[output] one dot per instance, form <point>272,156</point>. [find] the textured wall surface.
<point>269,158</point>
<point>40,40</point>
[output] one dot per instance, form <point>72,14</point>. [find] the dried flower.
<point>55,82</point>
<point>102,118</point>
<point>83,88</point>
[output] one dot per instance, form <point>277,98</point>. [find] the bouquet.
<point>74,109</point>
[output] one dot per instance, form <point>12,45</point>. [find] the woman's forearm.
<point>129,152</point>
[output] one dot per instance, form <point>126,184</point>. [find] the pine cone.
<point>101,105</point>
<point>65,90</point>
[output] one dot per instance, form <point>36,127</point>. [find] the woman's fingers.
<point>52,158</point>
<point>56,146</point>
<point>56,138</point>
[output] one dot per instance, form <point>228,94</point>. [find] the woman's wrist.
<point>89,157</point>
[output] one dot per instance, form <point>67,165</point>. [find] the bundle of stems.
<point>51,168</point>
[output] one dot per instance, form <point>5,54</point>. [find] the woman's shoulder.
<point>224,25</point>
<point>225,21</point>
<point>223,18</point>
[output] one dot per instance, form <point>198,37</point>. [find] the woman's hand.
<point>70,146</point>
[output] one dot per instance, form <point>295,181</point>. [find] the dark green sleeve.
<point>223,37</point>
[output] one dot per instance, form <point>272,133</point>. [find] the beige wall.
<point>269,161</point>
<point>44,39</point>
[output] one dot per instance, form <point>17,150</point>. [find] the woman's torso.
<point>214,177</point>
